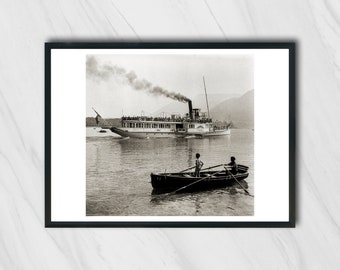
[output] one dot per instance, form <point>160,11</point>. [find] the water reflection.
<point>199,200</point>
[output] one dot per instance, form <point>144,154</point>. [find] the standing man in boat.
<point>198,165</point>
<point>232,166</point>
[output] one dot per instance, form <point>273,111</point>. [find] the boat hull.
<point>205,134</point>
<point>142,135</point>
<point>171,182</point>
<point>167,134</point>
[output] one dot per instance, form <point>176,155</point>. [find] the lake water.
<point>118,175</point>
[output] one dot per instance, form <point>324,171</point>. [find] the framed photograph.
<point>170,134</point>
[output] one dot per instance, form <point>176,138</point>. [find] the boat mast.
<point>206,97</point>
<point>99,116</point>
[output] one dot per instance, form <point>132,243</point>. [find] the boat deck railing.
<point>166,119</point>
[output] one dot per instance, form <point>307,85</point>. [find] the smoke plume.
<point>105,72</point>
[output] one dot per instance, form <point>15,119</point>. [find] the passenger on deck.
<point>232,166</point>
<point>198,165</point>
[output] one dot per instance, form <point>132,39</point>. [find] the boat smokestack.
<point>190,110</point>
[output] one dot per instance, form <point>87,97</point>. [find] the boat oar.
<point>239,183</point>
<point>202,169</point>
<point>212,167</point>
<point>187,169</point>
<point>199,180</point>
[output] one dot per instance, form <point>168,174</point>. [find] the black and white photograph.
<point>170,135</point>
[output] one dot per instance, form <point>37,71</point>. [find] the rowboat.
<point>188,182</point>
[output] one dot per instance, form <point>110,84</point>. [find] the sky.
<point>129,84</point>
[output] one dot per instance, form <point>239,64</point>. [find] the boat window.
<point>154,125</point>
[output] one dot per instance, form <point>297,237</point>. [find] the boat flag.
<point>97,119</point>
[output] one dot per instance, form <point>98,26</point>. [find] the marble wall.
<point>26,25</point>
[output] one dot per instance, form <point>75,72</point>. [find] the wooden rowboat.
<point>206,180</point>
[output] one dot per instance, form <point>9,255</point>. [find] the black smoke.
<point>105,72</point>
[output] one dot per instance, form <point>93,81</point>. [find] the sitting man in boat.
<point>232,166</point>
<point>198,165</point>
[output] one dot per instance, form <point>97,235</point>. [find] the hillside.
<point>238,110</point>
<point>91,122</point>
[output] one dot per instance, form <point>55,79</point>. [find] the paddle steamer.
<point>195,123</point>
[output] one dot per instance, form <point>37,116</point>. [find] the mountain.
<point>238,110</point>
<point>176,107</point>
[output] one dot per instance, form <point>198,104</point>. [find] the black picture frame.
<point>291,46</point>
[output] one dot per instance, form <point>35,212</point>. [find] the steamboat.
<point>195,124</point>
